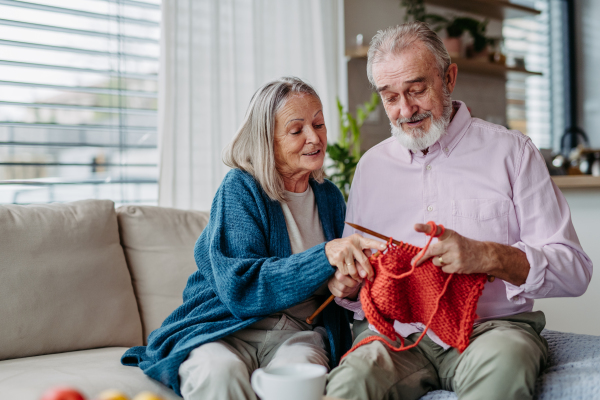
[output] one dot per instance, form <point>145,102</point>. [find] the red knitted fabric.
<point>446,303</point>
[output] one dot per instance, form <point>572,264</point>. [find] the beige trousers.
<point>221,370</point>
<point>502,362</point>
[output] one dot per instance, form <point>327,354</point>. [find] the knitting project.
<point>446,303</point>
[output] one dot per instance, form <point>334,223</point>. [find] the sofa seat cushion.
<point>64,281</point>
<point>90,371</point>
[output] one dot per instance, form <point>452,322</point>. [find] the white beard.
<point>417,139</point>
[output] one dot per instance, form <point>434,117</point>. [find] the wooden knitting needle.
<point>310,319</point>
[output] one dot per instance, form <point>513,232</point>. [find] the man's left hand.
<point>457,254</point>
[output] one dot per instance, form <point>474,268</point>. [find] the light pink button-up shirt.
<point>486,183</point>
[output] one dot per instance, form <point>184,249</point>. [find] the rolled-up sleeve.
<point>558,265</point>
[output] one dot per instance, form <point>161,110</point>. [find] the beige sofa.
<point>82,282</point>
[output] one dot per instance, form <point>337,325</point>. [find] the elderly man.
<point>490,187</point>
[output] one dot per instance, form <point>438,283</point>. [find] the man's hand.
<point>460,255</point>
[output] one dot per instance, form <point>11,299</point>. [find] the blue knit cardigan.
<point>246,271</point>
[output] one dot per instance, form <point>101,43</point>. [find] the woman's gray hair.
<point>253,148</point>
<point>395,39</point>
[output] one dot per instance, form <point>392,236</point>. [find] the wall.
<point>485,96</point>
<point>588,58</point>
<point>581,314</point>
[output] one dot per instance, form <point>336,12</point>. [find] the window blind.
<point>534,103</point>
<point>78,100</point>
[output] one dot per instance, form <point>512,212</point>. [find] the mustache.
<point>414,118</point>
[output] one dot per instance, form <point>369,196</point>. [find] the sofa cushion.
<point>159,246</point>
<point>64,282</point>
<point>90,371</point>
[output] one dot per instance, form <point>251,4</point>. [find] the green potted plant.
<point>455,27</point>
<point>346,152</point>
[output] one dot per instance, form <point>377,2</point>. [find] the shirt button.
<point>445,149</point>
<point>429,168</point>
<point>430,208</point>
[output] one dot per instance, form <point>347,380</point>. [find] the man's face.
<point>413,93</point>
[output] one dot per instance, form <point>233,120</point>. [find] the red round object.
<point>62,393</point>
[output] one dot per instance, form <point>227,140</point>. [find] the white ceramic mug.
<point>290,382</point>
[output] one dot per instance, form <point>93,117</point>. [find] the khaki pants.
<point>502,361</point>
<point>221,370</point>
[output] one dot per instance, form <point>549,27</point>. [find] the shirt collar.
<point>455,131</point>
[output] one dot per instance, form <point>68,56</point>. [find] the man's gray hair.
<point>253,148</point>
<point>395,39</point>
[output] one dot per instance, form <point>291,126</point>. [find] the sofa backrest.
<point>159,246</point>
<point>64,282</point>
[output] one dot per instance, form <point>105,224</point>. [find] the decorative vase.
<point>482,55</point>
<point>454,46</point>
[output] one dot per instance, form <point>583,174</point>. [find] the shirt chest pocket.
<point>481,219</point>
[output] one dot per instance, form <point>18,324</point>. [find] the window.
<point>535,103</point>
<point>78,100</point>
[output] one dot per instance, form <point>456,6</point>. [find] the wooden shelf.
<point>357,52</point>
<point>464,64</point>
<point>487,68</point>
<point>496,9</point>
<point>577,181</point>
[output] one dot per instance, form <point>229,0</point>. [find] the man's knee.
<point>502,363</point>
<point>372,371</point>
<point>349,380</point>
<point>511,349</point>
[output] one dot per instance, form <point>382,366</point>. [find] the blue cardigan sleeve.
<point>245,253</point>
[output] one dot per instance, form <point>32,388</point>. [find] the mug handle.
<point>255,382</point>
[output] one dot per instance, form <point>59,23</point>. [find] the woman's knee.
<point>212,364</point>
<point>303,348</point>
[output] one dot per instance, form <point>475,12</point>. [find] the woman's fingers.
<point>351,266</point>
<point>365,268</point>
<point>341,285</point>
<point>364,245</point>
<point>348,256</point>
<point>346,281</point>
<point>367,243</point>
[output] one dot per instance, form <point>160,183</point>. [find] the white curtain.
<point>214,55</point>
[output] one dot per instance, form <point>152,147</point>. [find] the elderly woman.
<point>266,259</point>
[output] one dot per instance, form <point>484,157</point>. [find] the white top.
<point>302,220</point>
<point>305,231</point>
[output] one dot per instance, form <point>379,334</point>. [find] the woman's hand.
<point>347,255</point>
<point>343,286</point>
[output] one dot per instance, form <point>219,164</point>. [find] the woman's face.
<point>300,137</point>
